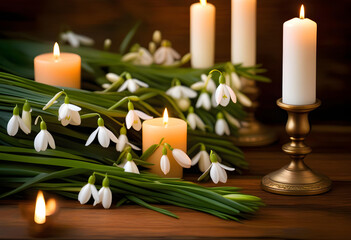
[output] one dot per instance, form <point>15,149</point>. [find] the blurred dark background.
<point>101,19</point>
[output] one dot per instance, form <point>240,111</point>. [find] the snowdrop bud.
<point>183,103</point>
<point>100,122</point>
<point>107,44</point>
<point>106,85</point>
<point>112,77</point>
<point>106,182</point>
<point>130,106</point>
<point>152,47</point>
<point>186,58</point>
<point>26,115</point>
<point>213,157</point>
<point>157,36</point>
<point>43,125</point>
<point>91,179</point>
<point>129,157</point>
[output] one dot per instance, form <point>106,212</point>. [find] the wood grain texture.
<point>113,18</point>
<point>326,216</point>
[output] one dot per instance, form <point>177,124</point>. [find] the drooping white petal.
<point>244,100</point>
<point>84,40</point>
<point>45,141</point>
<point>204,101</point>
<point>94,193</point>
<point>174,53</point>
<point>27,119</point>
<point>74,107</point>
<point>182,158</point>
<point>226,167</point>
<point>213,100</point>
<point>122,141</point>
<point>231,93</point>
<point>106,198</point>
<point>65,121</point>
<point>50,139</point>
<point>226,128</point>
<point>169,58</point>
<point>188,92</point>
<point>39,141</point>
<point>143,115</point>
<point>131,167</point>
<point>219,93</point>
<point>222,174</point>
<point>133,146</point>
<point>130,119</point>
<point>211,86</point>
<point>92,137</point>
<point>103,137</point>
<point>132,86</point>
<point>195,159</point>
<point>136,122</point>
<point>205,161</point>
<point>140,83</point>
<point>225,97</point>
<point>84,194</point>
<point>75,118</point>
<point>198,85</point>
<point>111,135</point>
<point>12,126</point>
<point>112,77</point>
<point>175,92</point>
<point>123,87</point>
<point>72,39</point>
<point>236,81</point>
<point>63,111</point>
<point>191,120</point>
<point>22,125</point>
<point>232,120</point>
<point>160,55</point>
<point>222,127</point>
<point>214,173</point>
<point>199,123</point>
<point>164,164</point>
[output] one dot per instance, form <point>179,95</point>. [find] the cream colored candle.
<point>174,133</point>
<point>299,60</point>
<point>202,34</point>
<point>244,32</point>
<point>58,69</point>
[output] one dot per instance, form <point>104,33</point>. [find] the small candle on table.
<point>174,132</point>
<point>58,69</point>
<point>299,60</point>
<point>202,34</point>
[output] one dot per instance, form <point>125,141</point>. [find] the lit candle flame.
<point>203,2</point>
<point>40,211</point>
<point>302,12</point>
<point>165,117</point>
<point>56,50</point>
<point>50,207</point>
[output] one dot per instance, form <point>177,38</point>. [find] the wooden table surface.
<point>326,216</point>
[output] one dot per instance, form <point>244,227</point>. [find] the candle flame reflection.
<point>56,50</point>
<point>50,207</point>
<point>203,2</point>
<point>165,117</point>
<point>40,211</point>
<point>302,12</point>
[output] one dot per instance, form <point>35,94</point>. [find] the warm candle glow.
<point>40,211</point>
<point>165,117</point>
<point>302,12</point>
<point>203,2</point>
<point>50,207</point>
<point>56,50</point>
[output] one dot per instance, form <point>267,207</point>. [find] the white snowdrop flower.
<point>217,170</point>
<point>44,138</point>
<point>210,87</point>
<point>140,57</point>
<point>213,100</point>
<point>203,158</point>
<point>244,100</point>
<point>107,44</point>
<point>133,117</point>
<point>178,91</point>
<point>69,113</point>
<point>88,190</point>
<point>165,54</point>
<point>232,120</point>
<point>27,116</point>
<point>204,101</point>
<point>235,81</point>
<point>224,93</point>
<point>132,84</point>
<point>16,122</point>
<point>105,194</point>
<point>183,103</point>
<point>221,126</point>
<point>164,162</point>
<point>181,157</point>
<point>194,120</point>
<point>157,36</point>
<point>112,77</point>
<point>104,135</point>
<point>130,165</point>
<point>75,40</point>
<point>123,141</point>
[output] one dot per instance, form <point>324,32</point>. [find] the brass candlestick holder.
<point>253,133</point>
<point>296,178</point>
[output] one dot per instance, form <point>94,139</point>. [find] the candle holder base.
<point>296,178</point>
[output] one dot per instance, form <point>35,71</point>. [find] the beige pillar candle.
<point>58,69</point>
<point>174,133</point>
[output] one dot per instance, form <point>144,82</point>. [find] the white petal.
<point>188,92</point>
<point>226,167</point>
<point>111,135</point>
<point>244,100</point>
<point>38,141</point>
<point>236,81</point>
<point>103,137</point>
<point>206,102</point>
<point>74,107</point>
<point>92,137</point>
<point>122,141</point>
<point>123,87</point>
<point>140,83</point>
<point>131,167</point>
<point>136,122</point>
<point>213,100</point>
<point>84,40</point>
<point>174,53</point>
<point>133,146</point>
<point>106,198</point>
<point>182,158</point>
<point>195,159</point>
<point>199,102</point>
<point>130,119</point>
<point>50,139</point>
<point>101,195</point>
<point>160,55</point>
<point>132,86</point>
<point>205,161</point>
<point>199,123</point>
<point>45,142</point>
<point>84,194</point>
<point>222,174</point>
<point>95,193</point>
<point>232,120</point>
<point>27,119</point>
<point>75,118</point>
<point>211,86</point>
<point>112,77</point>
<point>198,86</point>
<point>219,127</point>
<point>169,58</point>
<point>231,93</point>
<point>12,126</point>
<point>164,164</point>
<point>219,93</point>
<point>134,167</point>
<point>72,39</point>
<point>214,173</point>
<point>65,122</point>
<point>106,85</point>
<point>174,92</point>
<point>63,111</point>
<point>226,128</point>
<point>226,96</point>
<point>142,115</point>
<point>192,120</point>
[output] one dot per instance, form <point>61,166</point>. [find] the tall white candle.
<point>299,60</point>
<point>202,34</point>
<point>244,32</point>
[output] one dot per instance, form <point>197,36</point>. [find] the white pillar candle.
<point>202,34</point>
<point>299,60</point>
<point>244,32</point>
